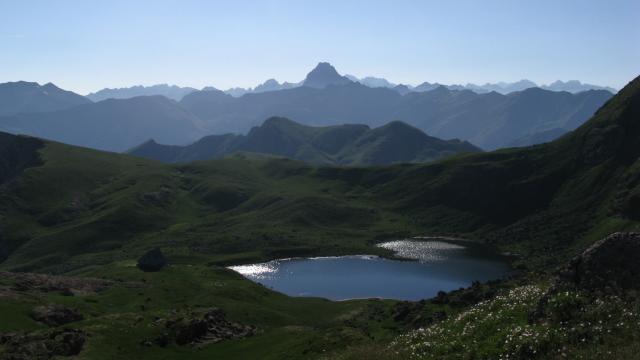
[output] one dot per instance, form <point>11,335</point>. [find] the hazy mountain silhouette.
<point>22,96</point>
<point>503,87</point>
<point>171,91</point>
<point>323,75</point>
<point>113,124</point>
<point>575,86</point>
<point>339,144</point>
<point>372,81</point>
<point>489,120</point>
<point>269,85</point>
<point>426,86</point>
<point>402,89</point>
<point>572,86</point>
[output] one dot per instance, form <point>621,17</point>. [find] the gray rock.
<point>55,315</point>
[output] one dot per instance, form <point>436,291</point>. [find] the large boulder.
<point>153,260</point>
<point>611,265</point>
<point>55,315</point>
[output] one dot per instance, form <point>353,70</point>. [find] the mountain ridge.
<point>112,124</point>
<point>24,97</point>
<point>176,92</point>
<point>173,92</point>
<point>488,120</point>
<point>350,144</point>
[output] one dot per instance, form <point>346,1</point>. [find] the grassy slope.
<point>121,318</point>
<point>84,207</point>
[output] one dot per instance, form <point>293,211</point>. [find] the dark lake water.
<point>439,266</point>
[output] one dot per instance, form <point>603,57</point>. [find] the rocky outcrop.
<point>55,314</point>
<point>65,285</point>
<point>212,327</point>
<point>152,260</point>
<point>42,345</point>
<point>610,265</point>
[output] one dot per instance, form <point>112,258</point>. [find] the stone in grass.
<point>152,260</point>
<point>55,314</point>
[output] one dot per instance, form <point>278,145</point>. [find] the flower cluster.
<point>574,326</point>
<point>466,331</point>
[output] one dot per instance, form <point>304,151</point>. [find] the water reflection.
<point>441,266</point>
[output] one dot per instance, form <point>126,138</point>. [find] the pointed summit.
<point>324,75</point>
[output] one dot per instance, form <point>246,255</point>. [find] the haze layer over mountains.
<point>176,92</point>
<point>488,120</point>
<point>395,142</point>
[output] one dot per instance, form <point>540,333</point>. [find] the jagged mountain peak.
<point>323,75</point>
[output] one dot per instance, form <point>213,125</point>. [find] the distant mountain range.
<point>113,124</point>
<point>575,86</point>
<point>21,97</point>
<point>170,91</point>
<point>332,145</point>
<point>324,98</point>
<point>488,120</point>
<point>373,82</point>
<point>321,76</point>
<point>572,86</point>
<point>269,85</point>
<point>326,70</point>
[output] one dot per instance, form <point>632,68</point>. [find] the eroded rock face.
<point>153,260</point>
<point>611,265</point>
<point>42,345</point>
<point>55,315</point>
<point>212,327</point>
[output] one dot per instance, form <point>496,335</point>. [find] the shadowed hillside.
<point>18,153</point>
<point>339,145</point>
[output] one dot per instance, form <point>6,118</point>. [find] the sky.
<point>88,45</point>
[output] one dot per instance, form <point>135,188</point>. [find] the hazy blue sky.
<point>87,45</point>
